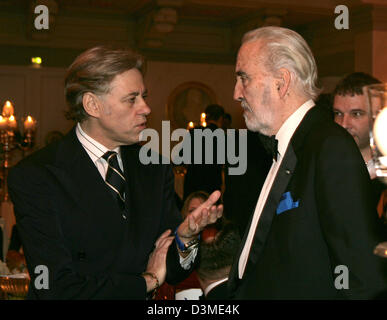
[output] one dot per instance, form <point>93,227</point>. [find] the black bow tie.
<point>270,144</point>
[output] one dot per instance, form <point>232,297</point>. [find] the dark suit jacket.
<point>69,222</point>
<point>294,254</point>
<point>219,292</point>
<point>238,207</point>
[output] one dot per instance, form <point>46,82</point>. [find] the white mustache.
<point>245,105</point>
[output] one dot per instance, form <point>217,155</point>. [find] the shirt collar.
<point>213,285</point>
<point>93,147</point>
<point>290,125</point>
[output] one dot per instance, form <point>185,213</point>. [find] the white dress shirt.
<point>283,136</point>
<point>371,168</point>
<point>96,150</point>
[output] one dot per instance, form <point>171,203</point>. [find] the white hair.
<point>285,48</point>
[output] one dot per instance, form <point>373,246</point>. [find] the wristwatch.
<point>186,247</point>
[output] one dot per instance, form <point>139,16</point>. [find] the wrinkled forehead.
<point>250,53</point>
<point>131,78</point>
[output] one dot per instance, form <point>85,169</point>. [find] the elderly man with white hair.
<point>314,228</point>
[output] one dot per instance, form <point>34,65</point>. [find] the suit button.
<point>287,171</point>
<point>81,256</point>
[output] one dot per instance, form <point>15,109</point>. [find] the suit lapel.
<point>279,186</point>
<point>82,181</point>
<point>280,183</point>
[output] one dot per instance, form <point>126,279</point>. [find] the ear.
<point>283,82</point>
<point>91,104</point>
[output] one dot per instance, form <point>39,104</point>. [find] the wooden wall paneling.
<point>36,92</point>
<point>52,104</point>
<point>379,55</point>
<point>13,88</point>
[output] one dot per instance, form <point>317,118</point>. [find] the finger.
<point>213,214</point>
<point>220,210</point>
<point>204,218</point>
<point>163,235</point>
<point>166,233</point>
<point>168,242</point>
<point>164,242</point>
<point>192,224</point>
<point>163,249</point>
<point>212,199</point>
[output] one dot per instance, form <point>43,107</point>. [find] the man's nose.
<point>145,109</point>
<point>346,122</point>
<point>237,92</point>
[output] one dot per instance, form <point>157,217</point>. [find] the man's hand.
<point>206,213</point>
<point>157,261</point>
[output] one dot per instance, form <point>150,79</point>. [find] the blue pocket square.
<point>287,203</point>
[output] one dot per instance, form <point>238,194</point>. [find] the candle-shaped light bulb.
<point>12,122</point>
<point>203,120</point>
<point>190,125</point>
<point>8,109</point>
<point>29,123</point>
<point>3,123</point>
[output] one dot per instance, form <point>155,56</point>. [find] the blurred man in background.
<point>350,110</point>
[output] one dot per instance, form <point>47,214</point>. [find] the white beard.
<point>251,120</point>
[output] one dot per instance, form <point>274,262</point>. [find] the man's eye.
<point>358,114</point>
<point>337,114</point>
<point>244,79</point>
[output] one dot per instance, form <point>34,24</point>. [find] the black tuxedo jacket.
<point>69,222</point>
<point>238,207</point>
<point>219,292</point>
<point>296,254</point>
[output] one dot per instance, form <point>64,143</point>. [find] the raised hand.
<point>206,213</point>
<point>156,267</point>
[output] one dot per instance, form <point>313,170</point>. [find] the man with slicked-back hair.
<point>103,225</point>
